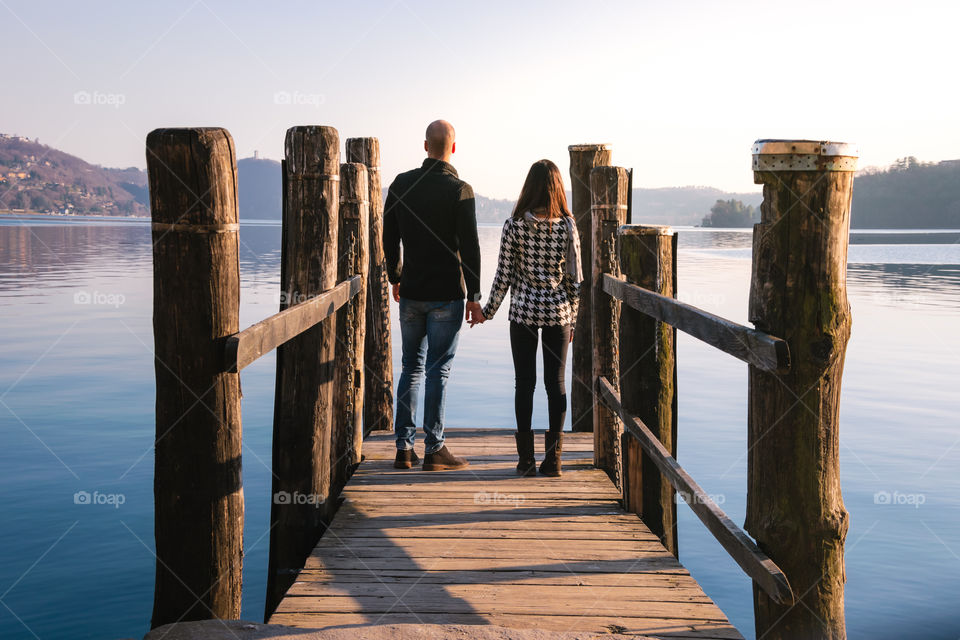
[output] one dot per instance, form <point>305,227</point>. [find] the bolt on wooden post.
<point>305,364</point>
<point>608,210</point>
<point>798,292</point>
<point>347,427</point>
<point>198,490</point>
<point>648,376</point>
<point>583,158</point>
<point>377,352</point>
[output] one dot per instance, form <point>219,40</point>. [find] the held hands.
<point>473,314</point>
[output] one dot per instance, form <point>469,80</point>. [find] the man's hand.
<point>396,292</point>
<point>473,314</point>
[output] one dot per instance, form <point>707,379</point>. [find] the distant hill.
<point>35,177</point>
<point>259,187</point>
<point>908,194</point>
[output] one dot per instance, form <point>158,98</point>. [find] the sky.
<point>679,89</point>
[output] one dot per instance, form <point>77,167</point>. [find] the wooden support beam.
<point>198,492</point>
<point>241,349</point>
<point>798,291</point>
<point>648,376</point>
<point>754,562</point>
<point>758,348</point>
<point>608,210</point>
<point>305,364</point>
<point>377,350</point>
<point>347,427</point>
<point>583,158</point>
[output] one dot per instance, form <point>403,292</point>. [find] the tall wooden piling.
<point>305,364</point>
<point>378,352</point>
<point>347,431</point>
<point>583,158</point>
<point>648,376</point>
<point>608,210</point>
<point>798,292</point>
<point>198,492</point>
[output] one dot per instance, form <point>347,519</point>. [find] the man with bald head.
<point>430,212</point>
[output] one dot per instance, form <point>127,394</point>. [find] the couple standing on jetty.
<point>431,212</point>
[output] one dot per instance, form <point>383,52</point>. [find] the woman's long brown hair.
<point>543,189</point>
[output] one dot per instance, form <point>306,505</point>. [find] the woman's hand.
<point>571,332</point>
<point>477,317</point>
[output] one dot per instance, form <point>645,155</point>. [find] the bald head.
<point>440,141</point>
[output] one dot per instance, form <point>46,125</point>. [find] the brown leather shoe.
<point>443,460</point>
<point>406,459</point>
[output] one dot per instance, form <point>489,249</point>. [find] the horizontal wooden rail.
<point>737,543</point>
<point>755,347</point>
<point>245,347</point>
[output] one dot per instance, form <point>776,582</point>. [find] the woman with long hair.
<point>540,265</point>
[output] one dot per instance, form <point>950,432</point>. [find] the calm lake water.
<point>77,415</point>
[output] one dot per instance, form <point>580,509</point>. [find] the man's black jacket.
<point>432,211</point>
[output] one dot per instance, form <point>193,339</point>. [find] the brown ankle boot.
<point>527,466</point>
<point>551,465</point>
<point>443,460</point>
<point>406,459</point>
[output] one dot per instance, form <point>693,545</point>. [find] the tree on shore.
<point>730,213</point>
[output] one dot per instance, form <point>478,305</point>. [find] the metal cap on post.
<point>804,155</point>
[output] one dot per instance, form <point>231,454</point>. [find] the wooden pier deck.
<point>484,546</point>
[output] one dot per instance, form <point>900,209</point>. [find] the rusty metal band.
<point>229,227</point>
<point>330,177</point>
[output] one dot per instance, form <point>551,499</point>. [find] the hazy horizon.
<point>680,91</point>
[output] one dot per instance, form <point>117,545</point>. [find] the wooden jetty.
<point>483,546</point>
<point>359,543</point>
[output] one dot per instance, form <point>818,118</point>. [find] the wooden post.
<point>798,293</point>
<point>648,376</point>
<point>305,371</point>
<point>583,158</point>
<point>377,351</point>
<point>347,436</point>
<point>608,186</point>
<point>198,493</point>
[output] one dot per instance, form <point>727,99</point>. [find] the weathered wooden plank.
<point>754,347</point>
<point>634,625</point>
<point>754,562</point>
<point>493,577</point>
<point>242,349</point>
<point>665,563</point>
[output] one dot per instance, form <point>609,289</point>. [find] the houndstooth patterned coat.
<point>532,265</point>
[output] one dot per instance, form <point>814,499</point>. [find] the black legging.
<point>523,344</point>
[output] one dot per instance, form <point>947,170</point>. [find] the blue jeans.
<point>429,332</point>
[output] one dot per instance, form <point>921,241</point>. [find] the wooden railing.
<point>798,292</point>
<point>319,337</point>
